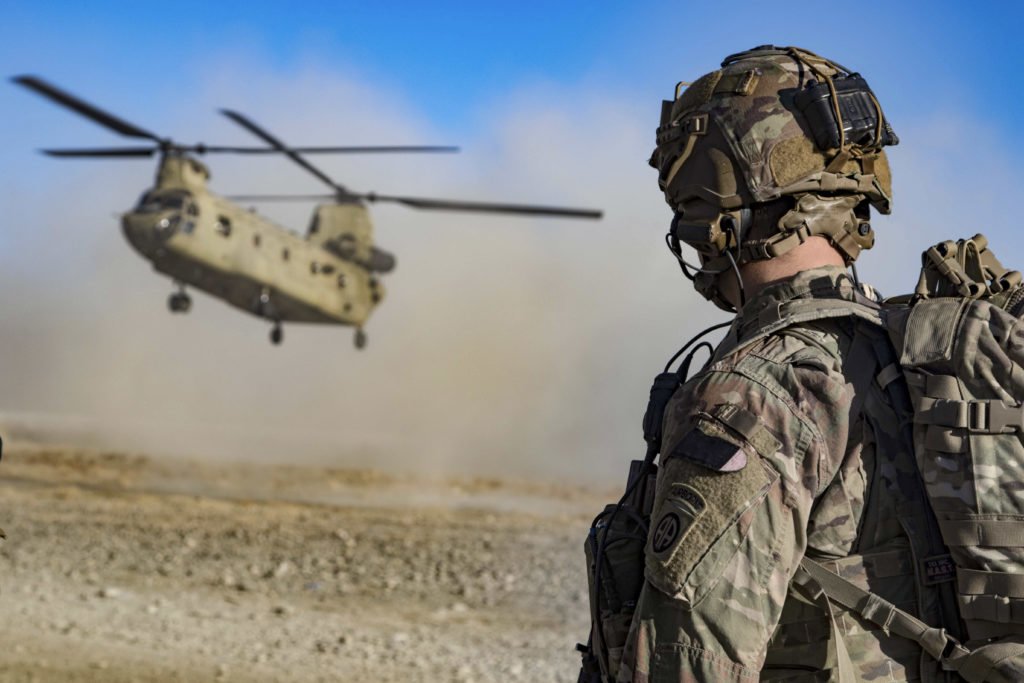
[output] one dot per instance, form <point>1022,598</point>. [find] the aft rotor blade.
<point>279,197</point>
<point>274,142</point>
<point>104,152</point>
<point>87,110</point>
<point>486,207</point>
<point>372,149</point>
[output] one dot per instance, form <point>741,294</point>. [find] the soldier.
<point>791,444</point>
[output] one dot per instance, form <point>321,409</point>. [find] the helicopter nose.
<point>148,232</point>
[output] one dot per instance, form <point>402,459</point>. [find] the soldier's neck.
<point>814,253</point>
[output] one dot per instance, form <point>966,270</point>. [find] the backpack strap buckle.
<point>994,417</point>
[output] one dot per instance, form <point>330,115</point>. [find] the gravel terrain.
<point>121,568</point>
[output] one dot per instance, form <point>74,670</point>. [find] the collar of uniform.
<point>819,284</point>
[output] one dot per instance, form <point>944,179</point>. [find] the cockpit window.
<point>173,200</point>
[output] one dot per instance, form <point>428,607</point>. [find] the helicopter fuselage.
<point>208,242</point>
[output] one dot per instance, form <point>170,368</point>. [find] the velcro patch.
<point>695,519</point>
<point>712,452</point>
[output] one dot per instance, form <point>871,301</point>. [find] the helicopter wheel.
<point>179,302</point>
<point>276,334</point>
<point>360,339</point>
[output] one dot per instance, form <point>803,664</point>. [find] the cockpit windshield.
<point>173,200</point>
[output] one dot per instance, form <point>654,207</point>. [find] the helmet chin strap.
<point>739,279</point>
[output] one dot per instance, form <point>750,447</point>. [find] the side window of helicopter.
<point>314,267</point>
<point>341,281</point>
<point>285,254</point>
<point>327,269</point>
<point>224,226</point>
<point>191,214</point>
<point>256,239</point>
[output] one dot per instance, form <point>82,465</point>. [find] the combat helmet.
<point>776,146</point>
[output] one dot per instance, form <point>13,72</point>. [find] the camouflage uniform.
<point>784,447</point>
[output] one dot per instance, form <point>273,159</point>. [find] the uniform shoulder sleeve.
<point>748,446</point>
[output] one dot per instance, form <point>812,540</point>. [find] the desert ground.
<point>120,567</point>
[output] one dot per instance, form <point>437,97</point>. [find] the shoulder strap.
<point>982,664</point>
<point>935,641</point>
<point>772,319</point>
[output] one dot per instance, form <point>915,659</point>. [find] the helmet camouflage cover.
<point>776,146</point>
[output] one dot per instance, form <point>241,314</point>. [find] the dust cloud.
<point>505,346</point>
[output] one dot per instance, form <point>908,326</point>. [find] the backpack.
<point>960,348</point>
<point>959,341</point>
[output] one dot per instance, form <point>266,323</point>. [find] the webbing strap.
<point>746,424</point>
<point>913,489</point>
<point>992,533</point>
<point>936,642</point>
<point>777,245</point>
<point>889,374</point>
<point>942,386</point>
<point>974,666</point>
<point>881,565</point>
<point>838,655</point>
<point>987,630</point>
<point>995,608</point>
<point>772,319</point>
<point>975,582</point>
<point>945,440</point>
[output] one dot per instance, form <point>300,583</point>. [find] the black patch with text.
<point>939,569</point>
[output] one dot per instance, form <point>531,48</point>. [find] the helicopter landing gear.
<point>276,334</point>
<point>179,302</point>
<point>360,338</point>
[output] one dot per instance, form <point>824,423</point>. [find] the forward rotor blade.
<point>221,149</point>
<point>486,207</point>
<point>104,152</point>
<point>87,110</point>
<point>274,142</point>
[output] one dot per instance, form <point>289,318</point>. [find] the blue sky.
<point>530,341</point>
<point>454,55</point>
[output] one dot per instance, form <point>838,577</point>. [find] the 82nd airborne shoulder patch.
<point>682,507</point>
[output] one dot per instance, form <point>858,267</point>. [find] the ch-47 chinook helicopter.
<point>209,242</point>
